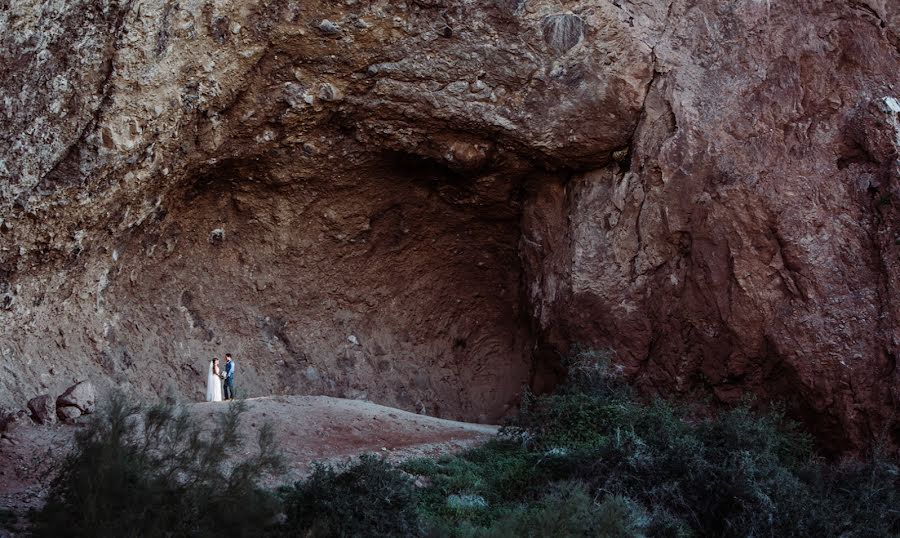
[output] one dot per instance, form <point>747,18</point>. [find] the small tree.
<point>155,471</point>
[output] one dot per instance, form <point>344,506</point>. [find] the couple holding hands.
<point>218,377</point>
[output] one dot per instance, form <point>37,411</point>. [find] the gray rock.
<point>294,94</point>
<point>79,399</point>
<point>327,92</point>
<point>458,86</point>
<point>68,414</point>
<point>43,409</point>
<point>329,27</point>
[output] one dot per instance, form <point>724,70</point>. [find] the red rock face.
<point>750,245</point>
<point>423,203</point>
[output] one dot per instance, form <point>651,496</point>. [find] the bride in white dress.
<point>214,382</point>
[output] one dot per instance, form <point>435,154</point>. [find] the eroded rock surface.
<point>423,203</point>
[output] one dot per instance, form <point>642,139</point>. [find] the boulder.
<point>43,410</point>
<point>79,399</point>
<point>68,414</point>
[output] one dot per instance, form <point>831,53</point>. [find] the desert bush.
<point>501,472</point>
<point>739,473</point>
<point>593,396</point>
<point>154,471</point>
<point>367,498</point>
<point>854,499</point>
<point>566,510</point>
<point>594,372</point>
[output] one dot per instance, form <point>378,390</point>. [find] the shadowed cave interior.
<point>397,281</point>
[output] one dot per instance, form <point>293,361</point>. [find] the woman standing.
<point>214,382</point>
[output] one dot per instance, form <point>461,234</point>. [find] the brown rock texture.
<point>424,203</point>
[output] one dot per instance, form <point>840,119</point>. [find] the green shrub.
<point>501,472</point>
<point>581,412</point>
<point>153,471</point>
<point>368,498</point>
<point>739,473</point>
<point>567,510</point>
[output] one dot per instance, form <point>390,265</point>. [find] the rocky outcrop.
<point>424,203</point>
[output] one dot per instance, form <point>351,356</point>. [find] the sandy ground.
<point>307,428</point>
<point>320,428</point>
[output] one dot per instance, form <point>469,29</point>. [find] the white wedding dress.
<point>213,386</point>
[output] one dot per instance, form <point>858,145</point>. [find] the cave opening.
<point>390,278</point>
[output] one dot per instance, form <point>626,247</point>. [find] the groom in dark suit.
<point>229,377</point>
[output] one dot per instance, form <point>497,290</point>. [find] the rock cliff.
<point>425,203</point>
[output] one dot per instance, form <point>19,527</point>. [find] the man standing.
<point>229,377</point>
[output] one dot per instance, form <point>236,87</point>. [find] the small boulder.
<point>328,92</point>
<point>328,27</point>
<point>43,410</point>
<point>217,236</point>
<point>68,414</point>
<point>79,399</point>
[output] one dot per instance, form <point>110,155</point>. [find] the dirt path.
<point>317,428</point>
<point>307,428</point>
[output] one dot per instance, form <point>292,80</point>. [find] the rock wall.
<point>751,243</point>
<point>425,203</point>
